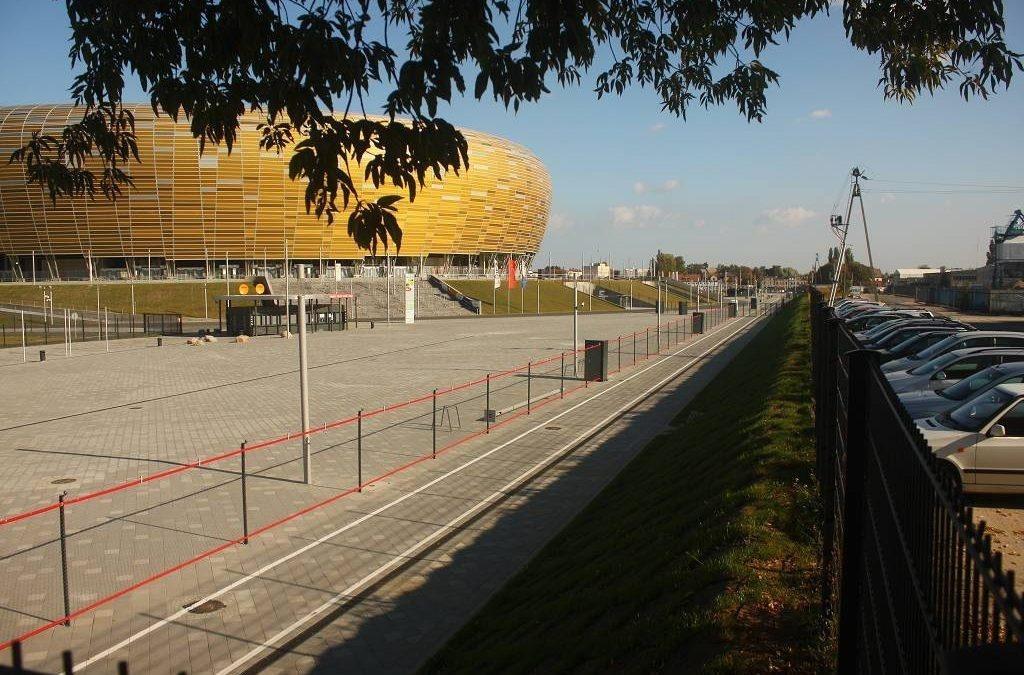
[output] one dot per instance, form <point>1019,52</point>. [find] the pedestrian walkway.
<point>338,545</point>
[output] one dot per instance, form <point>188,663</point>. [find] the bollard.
<point>245,503</point>
<point>433,427</point>
<point>487,407</point>
<point>42,355</point>
<point>159,342</point>
<point>620,354</point>
<point>647,344</point>
<point>64,558</point>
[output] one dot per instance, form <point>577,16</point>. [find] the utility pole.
<point>575,322</point>
<point>857,175</point>
<point>303,384</point>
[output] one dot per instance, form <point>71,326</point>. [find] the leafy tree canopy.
<point>308,65</point>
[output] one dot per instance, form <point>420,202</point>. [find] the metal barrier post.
<point>529,382</point>
<point>657,338</point>
<point>487,407</point>
<point>647,343</point>
<point>106,329</point>
<point>433,427</point>
<point>634,348</point>
<point>860,363</point>
<point>561,379</point>
<point>24,347</point>
<point>620,353</point>
<point>359,451</point>
<point>245,501</point>
<point>64,558</point>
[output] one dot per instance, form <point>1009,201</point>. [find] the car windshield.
<point>937,348</point>
<point>969,386</point>
<point>882,327</point>
<point>936,364</point>
<point>973,414</point>
<point>909,343</point>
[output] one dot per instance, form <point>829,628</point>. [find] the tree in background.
<point>667,263</point>
<point>308,66</point>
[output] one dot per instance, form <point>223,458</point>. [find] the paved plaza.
<point>410,546</point>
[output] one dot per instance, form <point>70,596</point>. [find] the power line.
<point>968,185</point>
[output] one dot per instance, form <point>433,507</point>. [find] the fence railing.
<point>257,487</point>
<point>910,582</point>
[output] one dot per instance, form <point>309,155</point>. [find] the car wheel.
<point>949,474</point>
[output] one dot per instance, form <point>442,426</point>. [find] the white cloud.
<point>820,114</point>
<point>791,216</point>
<point>560,221</point>
<point>669,185</point>
<point>656,127</point>
<point>635,217</point>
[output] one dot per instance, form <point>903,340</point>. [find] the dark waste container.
<point>697,322</point>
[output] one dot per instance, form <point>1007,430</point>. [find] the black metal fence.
<point>910,582</point>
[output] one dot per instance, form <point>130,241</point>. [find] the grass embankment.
<point>176,297</point>
<point>699,556</point>
<point>554,296</point>
<point>645,293</point>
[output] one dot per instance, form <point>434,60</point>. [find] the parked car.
<point>861,309</point>
<point>980,443</point>
<point>914,344</point>
<point>928,403</point>
<point>879,333</point>
<point>869,320</point>
<point>974,338</point>
<point>951,367</point>
<point>898,334</point>
<point>849,306</point>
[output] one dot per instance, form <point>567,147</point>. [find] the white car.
<point>950,368</point>
<point>980,444</point>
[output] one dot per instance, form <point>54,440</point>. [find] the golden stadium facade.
<point>189,210</point>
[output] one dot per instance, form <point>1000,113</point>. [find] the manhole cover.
<point>553,428</point>
<point>208,607</point>
<point>63,481</point>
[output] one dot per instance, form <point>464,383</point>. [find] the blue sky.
<point>629,179</point>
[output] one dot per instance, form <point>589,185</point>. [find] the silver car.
<point>974,338</point>
<point>980,443</point>
<point>928,403</point>
<point>950,368</point>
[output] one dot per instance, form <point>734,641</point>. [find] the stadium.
<point>192,215</point>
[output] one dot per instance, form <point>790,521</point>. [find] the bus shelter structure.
<point>274,314</point>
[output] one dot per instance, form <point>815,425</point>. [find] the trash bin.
<point>595,361</point>
<point>682,309</point>
<point>697,323</point>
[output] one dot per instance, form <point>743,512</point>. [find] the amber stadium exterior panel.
<point>186,206</point>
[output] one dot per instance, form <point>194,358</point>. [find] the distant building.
<point>601,270</point>
<point>914,273</point>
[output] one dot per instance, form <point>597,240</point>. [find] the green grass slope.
<point>554,297</point>
<point>177,297</point>
<point>699,557</point>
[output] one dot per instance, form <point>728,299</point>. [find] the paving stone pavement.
<point>105,418</point>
